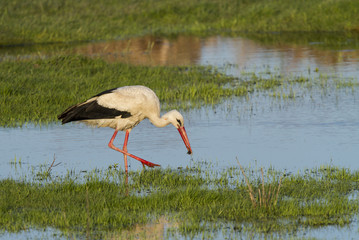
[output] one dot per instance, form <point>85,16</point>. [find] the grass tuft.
<point>265,199</point>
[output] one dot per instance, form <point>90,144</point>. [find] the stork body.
<point>122,109</point>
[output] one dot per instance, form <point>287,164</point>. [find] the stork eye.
<point>179,122</point>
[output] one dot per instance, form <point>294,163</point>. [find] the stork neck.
<point>159,121</point>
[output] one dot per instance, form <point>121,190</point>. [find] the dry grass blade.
<point>250,190</point>
<point>52,164</point>
<point>265,199</point>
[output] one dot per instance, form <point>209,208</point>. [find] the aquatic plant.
<point>196,200</point>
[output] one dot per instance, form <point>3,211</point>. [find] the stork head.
<point>176,119</point>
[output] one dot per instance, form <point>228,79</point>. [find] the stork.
<point>122,109</point>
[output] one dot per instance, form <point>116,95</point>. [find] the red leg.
<point>124,148</point>
<point>125,153</point>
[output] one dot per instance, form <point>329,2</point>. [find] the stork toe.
<point>149,164</point>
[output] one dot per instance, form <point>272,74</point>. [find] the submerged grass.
<point>37,91</point>
<point>197,200</point>
<point>42,21</point>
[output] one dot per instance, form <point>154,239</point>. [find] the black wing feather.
<point>91,110</point>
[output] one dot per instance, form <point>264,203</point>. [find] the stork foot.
<point>148,164</point>
<point>124,151</point>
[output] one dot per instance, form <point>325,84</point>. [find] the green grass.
<point>197,200</point>
<point>36,91</point>
<point>41,21</point>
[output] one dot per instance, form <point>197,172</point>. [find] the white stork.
<point>122,109</point>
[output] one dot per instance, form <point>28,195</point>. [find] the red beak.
<point>184,136</point>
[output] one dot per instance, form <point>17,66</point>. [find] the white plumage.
<point>122,109</point>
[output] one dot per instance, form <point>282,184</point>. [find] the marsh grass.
<point>16,161</point>
<point>103,203</point>
<point>45,173</point>
<point>37,90</point>
<point>267,196</point>
<point>73,21</point>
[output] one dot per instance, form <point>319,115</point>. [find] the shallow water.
<point>162,230</point>
<point>292,135</point>
<point>299,53</point>
<point>314,129</point>
<point>318,127</point>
